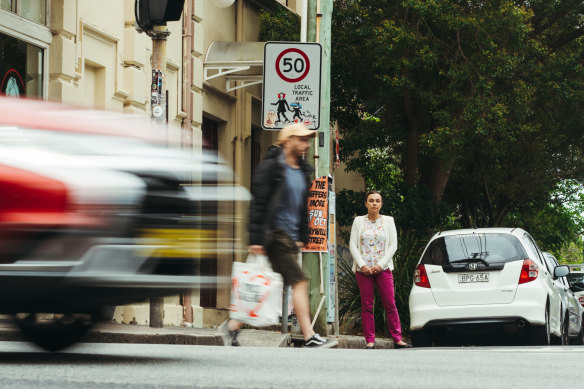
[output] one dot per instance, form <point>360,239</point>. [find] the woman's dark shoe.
<point>372,347</point>
<point>407,345</point>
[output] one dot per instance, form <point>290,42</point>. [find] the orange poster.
<point>317,215</point>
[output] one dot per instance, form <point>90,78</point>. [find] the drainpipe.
<point>304,21</point>
<point>187,31</point>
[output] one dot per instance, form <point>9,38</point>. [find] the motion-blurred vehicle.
<point>573,331</point>
<point>487,279</point>
<point>97,210</point>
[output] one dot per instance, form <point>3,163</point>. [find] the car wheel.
<point>422,338</point>
<point>540,335</point>
<point>579,340</point>
<point>562,340</point>
<point>54,332</point>
<point>566,330</point>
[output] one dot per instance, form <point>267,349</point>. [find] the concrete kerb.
<point>350,342</point>
<point>126,333</point>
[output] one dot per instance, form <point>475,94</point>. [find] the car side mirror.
<point>561,271</point>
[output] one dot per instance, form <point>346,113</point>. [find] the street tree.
<point>478,103</point>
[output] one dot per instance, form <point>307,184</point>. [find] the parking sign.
<point>291,92</point>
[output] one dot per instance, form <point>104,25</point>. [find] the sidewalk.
<point>111,332</point>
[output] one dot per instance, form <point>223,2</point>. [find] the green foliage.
<point>482,103</point>
<point>463,114</point>
<point>571,253</point>
<point>279,25</point>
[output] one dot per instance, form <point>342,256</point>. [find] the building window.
<point>34,10</point>
<point>21,67</point>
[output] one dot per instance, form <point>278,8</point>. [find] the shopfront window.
<point>34,10</point>
<point>21,68</point>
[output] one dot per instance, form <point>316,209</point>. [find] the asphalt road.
<point>177,366</point>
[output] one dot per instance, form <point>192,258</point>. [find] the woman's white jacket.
<point>390,242</point>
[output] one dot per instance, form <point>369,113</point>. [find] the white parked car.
<point>487,278</point>
<point>573,311</point>
<point>576,281</point>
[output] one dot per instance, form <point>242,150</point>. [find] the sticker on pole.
<point>292,72</point>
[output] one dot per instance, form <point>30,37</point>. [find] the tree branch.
<point>567,38</point>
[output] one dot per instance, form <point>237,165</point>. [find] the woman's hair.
<point>372,192</point>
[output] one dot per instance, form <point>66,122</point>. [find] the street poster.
<point>317,216</point>
<point>291,84</point>
<point>331,243</point>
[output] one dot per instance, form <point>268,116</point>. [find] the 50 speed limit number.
<point>291,84</point>
<point>292,65</point>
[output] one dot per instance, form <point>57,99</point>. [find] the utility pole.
<point>317,264</point>
<point>159,35</point>
<point>151,17</point>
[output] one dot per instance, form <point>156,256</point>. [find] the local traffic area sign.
<point>291,93</point>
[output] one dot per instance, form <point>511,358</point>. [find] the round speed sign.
<point>292,65</point>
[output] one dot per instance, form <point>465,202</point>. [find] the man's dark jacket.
<point>267,189</point>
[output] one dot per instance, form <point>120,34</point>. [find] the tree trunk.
<point>435,175</point>
<point>411,159</point>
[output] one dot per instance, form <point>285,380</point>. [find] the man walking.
<point>278,224</point>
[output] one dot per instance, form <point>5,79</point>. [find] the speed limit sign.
<point>291,85</point>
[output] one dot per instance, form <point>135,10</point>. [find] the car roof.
<point>487,230</point>
<point>43,115</point>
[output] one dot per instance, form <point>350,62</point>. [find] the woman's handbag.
<point>256,292</point>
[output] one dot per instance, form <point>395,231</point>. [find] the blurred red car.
<point>97,210</point>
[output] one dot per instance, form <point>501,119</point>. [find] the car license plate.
<point>474,277</point>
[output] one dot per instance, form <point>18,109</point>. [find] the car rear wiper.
<point>470,260</point>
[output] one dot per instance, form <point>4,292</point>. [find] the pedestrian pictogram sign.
<point>291,85</point>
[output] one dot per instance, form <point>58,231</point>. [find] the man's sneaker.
<point>317,341</point>
<point>229,337</point>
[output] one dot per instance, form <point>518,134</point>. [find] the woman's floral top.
<point>373,242</point>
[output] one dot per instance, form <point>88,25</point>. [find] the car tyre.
<point>562,340</point>
<point>54,334</point>
<point>566,330</point>
<point>422,338</point>
<point>579,340</point>
<point>540,335</point>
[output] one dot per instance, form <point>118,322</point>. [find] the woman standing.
<point>373,244</point>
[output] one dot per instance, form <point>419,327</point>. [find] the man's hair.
<point>295,129</point>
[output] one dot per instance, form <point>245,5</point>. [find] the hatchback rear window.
<point>576,281</point>
<point>490,248</point>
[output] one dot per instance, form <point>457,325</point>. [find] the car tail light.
<point>581,300</point>
<point>529,271</point>
<point>30,197</point>
<point>421,277</point>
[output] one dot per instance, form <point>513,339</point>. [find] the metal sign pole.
<point>159,34</point>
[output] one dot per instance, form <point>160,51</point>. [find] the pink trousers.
<point>384,283</point>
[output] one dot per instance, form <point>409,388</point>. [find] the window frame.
<point>538,252</point>
<point>31,33</point>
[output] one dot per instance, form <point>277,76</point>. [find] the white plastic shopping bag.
<point>256,292</point>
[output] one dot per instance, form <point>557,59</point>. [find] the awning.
<point>229,59</point>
